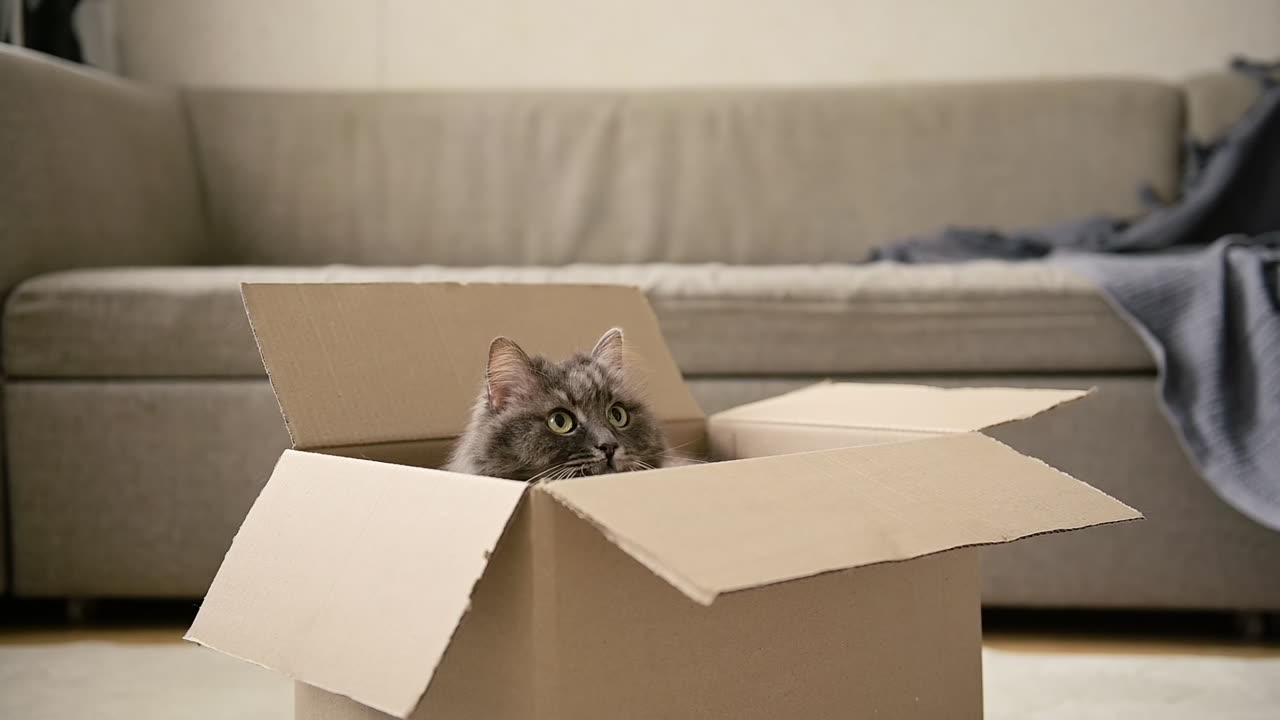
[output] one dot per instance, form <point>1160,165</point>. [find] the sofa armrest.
<point>1215,101</point>
<point>94,171</point>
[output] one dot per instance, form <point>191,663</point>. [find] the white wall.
<point>415,43</point>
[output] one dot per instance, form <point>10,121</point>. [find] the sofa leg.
<point>79,610</point>
<point>1252,625</point>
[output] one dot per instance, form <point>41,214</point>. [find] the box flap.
<point>905,408</point>
<point>356,364</point>
<point>351,575</point>
<point>720,527</point>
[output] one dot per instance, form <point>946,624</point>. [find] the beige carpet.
<point>106,681</point>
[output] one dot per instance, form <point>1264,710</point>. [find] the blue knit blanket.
<point>1200,282</point>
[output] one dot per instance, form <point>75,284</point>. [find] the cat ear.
<point>508,370</point>
<point>608,351</point>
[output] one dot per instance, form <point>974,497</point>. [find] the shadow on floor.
<point>28,615</point>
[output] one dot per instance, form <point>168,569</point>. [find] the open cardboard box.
<point>827,567</point>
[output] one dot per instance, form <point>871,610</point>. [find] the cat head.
<point>581,416</point>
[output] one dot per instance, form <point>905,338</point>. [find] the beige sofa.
<point>139,425</point>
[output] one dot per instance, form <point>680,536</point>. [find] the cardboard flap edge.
<point>241,619</point>
<point>1029,483</point>
<point>364,363</point>
<point>898,407</point>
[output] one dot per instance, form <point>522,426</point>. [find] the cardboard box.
<point>828,568</point>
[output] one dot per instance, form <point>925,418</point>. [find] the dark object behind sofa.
<point>48,26</point>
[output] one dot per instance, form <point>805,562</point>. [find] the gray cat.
<point>537,419</point>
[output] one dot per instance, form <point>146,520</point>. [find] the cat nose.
<point>608,449</point>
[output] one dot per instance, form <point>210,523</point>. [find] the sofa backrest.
<point>1215,101</point>
<point>735,176</point>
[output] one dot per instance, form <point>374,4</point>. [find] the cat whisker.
<point>682,458</point>
<point>543,474</point>
<point>548,471</point>
<point>565,472</point>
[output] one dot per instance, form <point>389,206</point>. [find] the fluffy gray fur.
<point>511,433</point>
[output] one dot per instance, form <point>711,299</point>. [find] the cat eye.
<point>618,416</point>
<point>561,422</point>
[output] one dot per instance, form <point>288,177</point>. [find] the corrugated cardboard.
<point>848,414</point>
<point>900,640</point>
<point>906,408</point>
<point>729,526</point>
<point>329,540</point>
<point>839,582</point>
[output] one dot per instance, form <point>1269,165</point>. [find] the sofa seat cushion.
<point>810,320</point>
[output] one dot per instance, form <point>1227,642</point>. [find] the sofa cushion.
<point>719,320</point>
